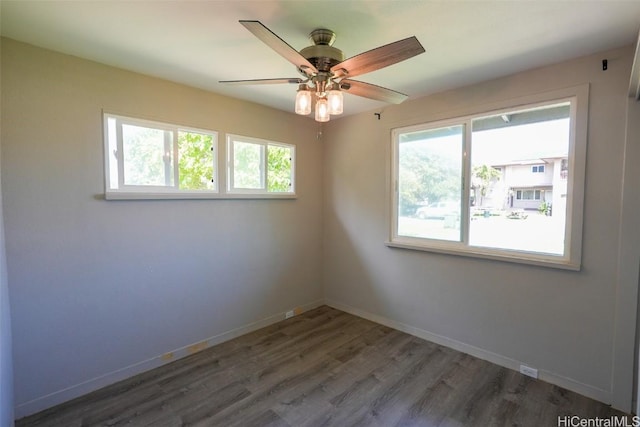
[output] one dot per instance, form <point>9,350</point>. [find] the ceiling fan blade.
<point>293,80</point>
<point>279,45</point>
<point>367,90</point>
<point>379,57</point>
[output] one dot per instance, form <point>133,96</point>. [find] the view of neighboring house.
<point>527,184</point>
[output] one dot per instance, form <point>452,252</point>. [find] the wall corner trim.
<point>634,84</point>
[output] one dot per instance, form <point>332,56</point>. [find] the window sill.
<point>196,195</point>
<point>505,256</point>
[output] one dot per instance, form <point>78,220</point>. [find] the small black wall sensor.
<point>605,65</point>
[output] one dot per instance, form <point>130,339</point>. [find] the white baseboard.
<point>550,377</point>
<point>52,399</point>
<point>61,396</point>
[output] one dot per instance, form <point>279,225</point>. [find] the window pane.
<point>247,165</point>
<point>147,156</point>
<point>523,205</point>
<point>430,183</point>
<point>279,168</point>
<point>196,161</point>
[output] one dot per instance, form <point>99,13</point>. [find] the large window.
<point>507,184</point>
<point>142,156</point>
<point>258,166</point>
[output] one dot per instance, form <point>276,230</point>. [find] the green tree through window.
<point>279,168</point>
<point>195,164</point>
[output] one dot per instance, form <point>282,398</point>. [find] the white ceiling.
<point>199,43</point>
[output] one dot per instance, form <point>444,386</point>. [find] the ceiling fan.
<point>326,74</point>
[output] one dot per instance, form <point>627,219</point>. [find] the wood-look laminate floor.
<point>325,368</point>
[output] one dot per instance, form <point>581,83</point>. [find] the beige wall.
<point>6,363</point>
<point>629,265</point>
<point>559,322</point>
<point>100,289</point>
<point>100,286</point>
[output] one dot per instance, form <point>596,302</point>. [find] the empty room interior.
<point>303,213</point>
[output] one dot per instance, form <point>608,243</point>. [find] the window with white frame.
<point>154,158</point>
<point>462,186</point>
<point>537,169</point>
<point>258,166</point>
<point>528,194</point>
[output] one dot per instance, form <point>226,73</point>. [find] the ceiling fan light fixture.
<point>322,110</point>
<point>325,69</point>
<point>335,100</point>
<point>303,100</point>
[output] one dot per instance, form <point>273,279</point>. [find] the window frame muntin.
<point>579,114</point>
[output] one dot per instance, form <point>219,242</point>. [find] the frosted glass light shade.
<point>303,102</point>
<point>322,110</point>
<point>335,101</point>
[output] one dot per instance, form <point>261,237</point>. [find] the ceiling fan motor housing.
<point>322,54</point>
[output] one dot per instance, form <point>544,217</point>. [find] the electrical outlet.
<point>529,371</point>
<point>289,314</point>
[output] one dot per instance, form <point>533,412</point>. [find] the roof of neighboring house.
<point>531,161</point>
